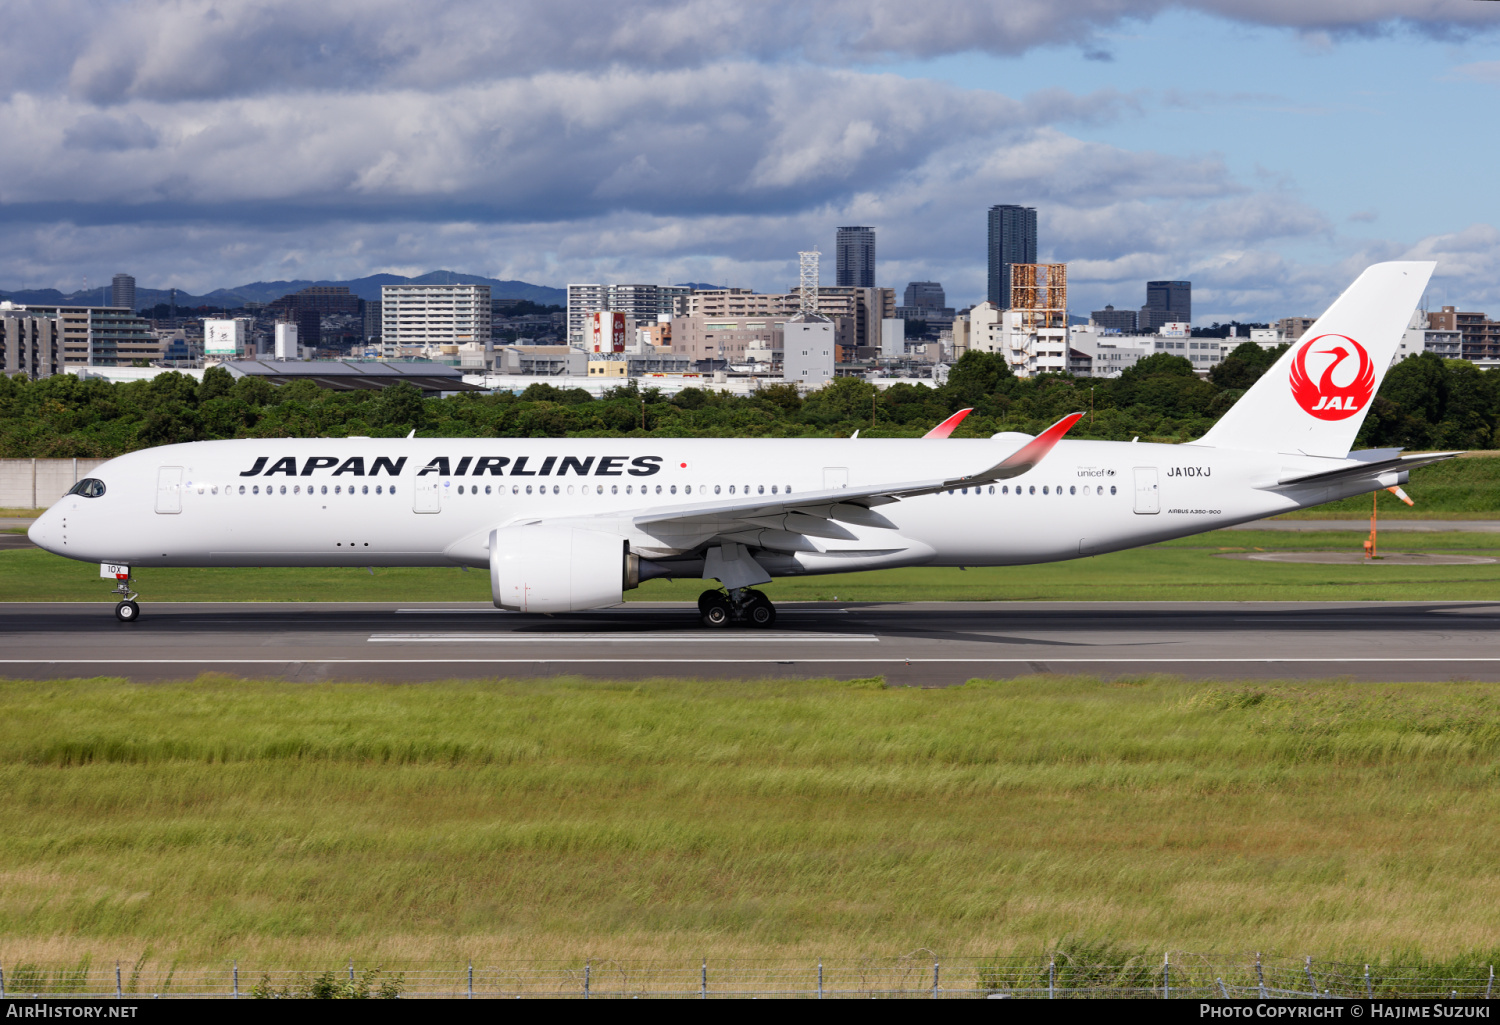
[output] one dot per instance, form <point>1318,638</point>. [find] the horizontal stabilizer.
<point>1370,469</point>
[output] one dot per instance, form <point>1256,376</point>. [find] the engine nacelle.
<point>559,569</point>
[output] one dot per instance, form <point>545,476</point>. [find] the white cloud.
<point>210,142</point>
<point>556,145</point>
<point>107,51</point>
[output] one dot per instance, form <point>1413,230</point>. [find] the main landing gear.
<point>741,605</point>
<point>126,611</point>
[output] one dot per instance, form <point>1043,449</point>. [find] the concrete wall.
<point>37,483</point>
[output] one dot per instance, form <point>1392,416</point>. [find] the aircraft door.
<point>169,490</point>
<point>835,477</point>
<point>426,496</point>
<point>1147,491</point>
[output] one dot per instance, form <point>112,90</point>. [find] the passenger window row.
<point>296,489</point>
<point>1030,489</point>
<point>614,489</point>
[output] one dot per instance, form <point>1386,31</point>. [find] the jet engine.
<point>559,569</point>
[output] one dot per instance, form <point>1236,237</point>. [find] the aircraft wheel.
<point>716,612</point>
<point>127,612</point>
<point>761,612</point>
<point>705,598</point>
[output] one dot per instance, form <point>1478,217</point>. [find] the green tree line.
<point>1424,402</point>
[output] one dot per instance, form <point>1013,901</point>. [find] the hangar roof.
<point>354,375</point>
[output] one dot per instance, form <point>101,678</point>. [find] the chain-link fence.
<point>922,975</point>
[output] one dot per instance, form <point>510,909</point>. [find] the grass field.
<point>1185,570</point>
<point>560,818</point>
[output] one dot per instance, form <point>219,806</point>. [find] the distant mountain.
<point>101,297</point>
<point>699,286</point>
<point>369,288</point>
<point>269,291</point>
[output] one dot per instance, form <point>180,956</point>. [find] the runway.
<point>910,644</point>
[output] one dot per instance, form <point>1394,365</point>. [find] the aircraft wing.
<point>819,504</point>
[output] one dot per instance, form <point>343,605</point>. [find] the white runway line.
<point>616,638</point>
<point>1034,660</point>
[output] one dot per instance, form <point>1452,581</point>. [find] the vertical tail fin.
<point>1315,397</point>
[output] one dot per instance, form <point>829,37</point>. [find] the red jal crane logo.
<point>1328,399</point>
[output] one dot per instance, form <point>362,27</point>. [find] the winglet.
<point>946,428</point>
<point>1031,453</point>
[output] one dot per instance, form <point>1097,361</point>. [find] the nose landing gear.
<point>126,610</point>
<point>741,605</point>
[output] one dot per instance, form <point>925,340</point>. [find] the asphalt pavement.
<point>913,643</point>
<point>1418,526</point>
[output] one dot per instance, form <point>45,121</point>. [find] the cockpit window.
<point>89,487</point>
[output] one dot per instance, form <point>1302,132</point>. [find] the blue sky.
<point>1389,136</point>
<point>1265,149</point>
<point>1359,127</point>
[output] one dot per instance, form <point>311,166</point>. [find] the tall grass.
<point>565,818</point>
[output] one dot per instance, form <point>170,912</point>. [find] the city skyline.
<point>1259,151</point>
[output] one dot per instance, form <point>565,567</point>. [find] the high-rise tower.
<point>1166,302</point>
<point>856,257</point>
<point>1012,240</point>
<point>123,292</point>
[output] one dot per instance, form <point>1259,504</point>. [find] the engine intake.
<point>559,569</point>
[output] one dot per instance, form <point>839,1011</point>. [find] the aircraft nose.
<point>46,531</point>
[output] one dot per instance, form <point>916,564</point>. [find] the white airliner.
<point>570,524</point>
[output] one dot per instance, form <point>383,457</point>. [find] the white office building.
<point>1095,353</point>
<point>1205,353</point>
<point>227,339</point>
<point>431,315</point>
<point>809,350</point>
<point>893,337</point>
<point>286,342</point>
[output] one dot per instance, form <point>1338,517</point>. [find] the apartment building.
<point>101,336</point>
<point>729,339</point>
<point>1293,328</point>
<point>29,344</point>
<point>1481,335</point>
<point>122,292</point>
<point>427,315</point>
<point>871,306</point>
<point>641,304</point>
